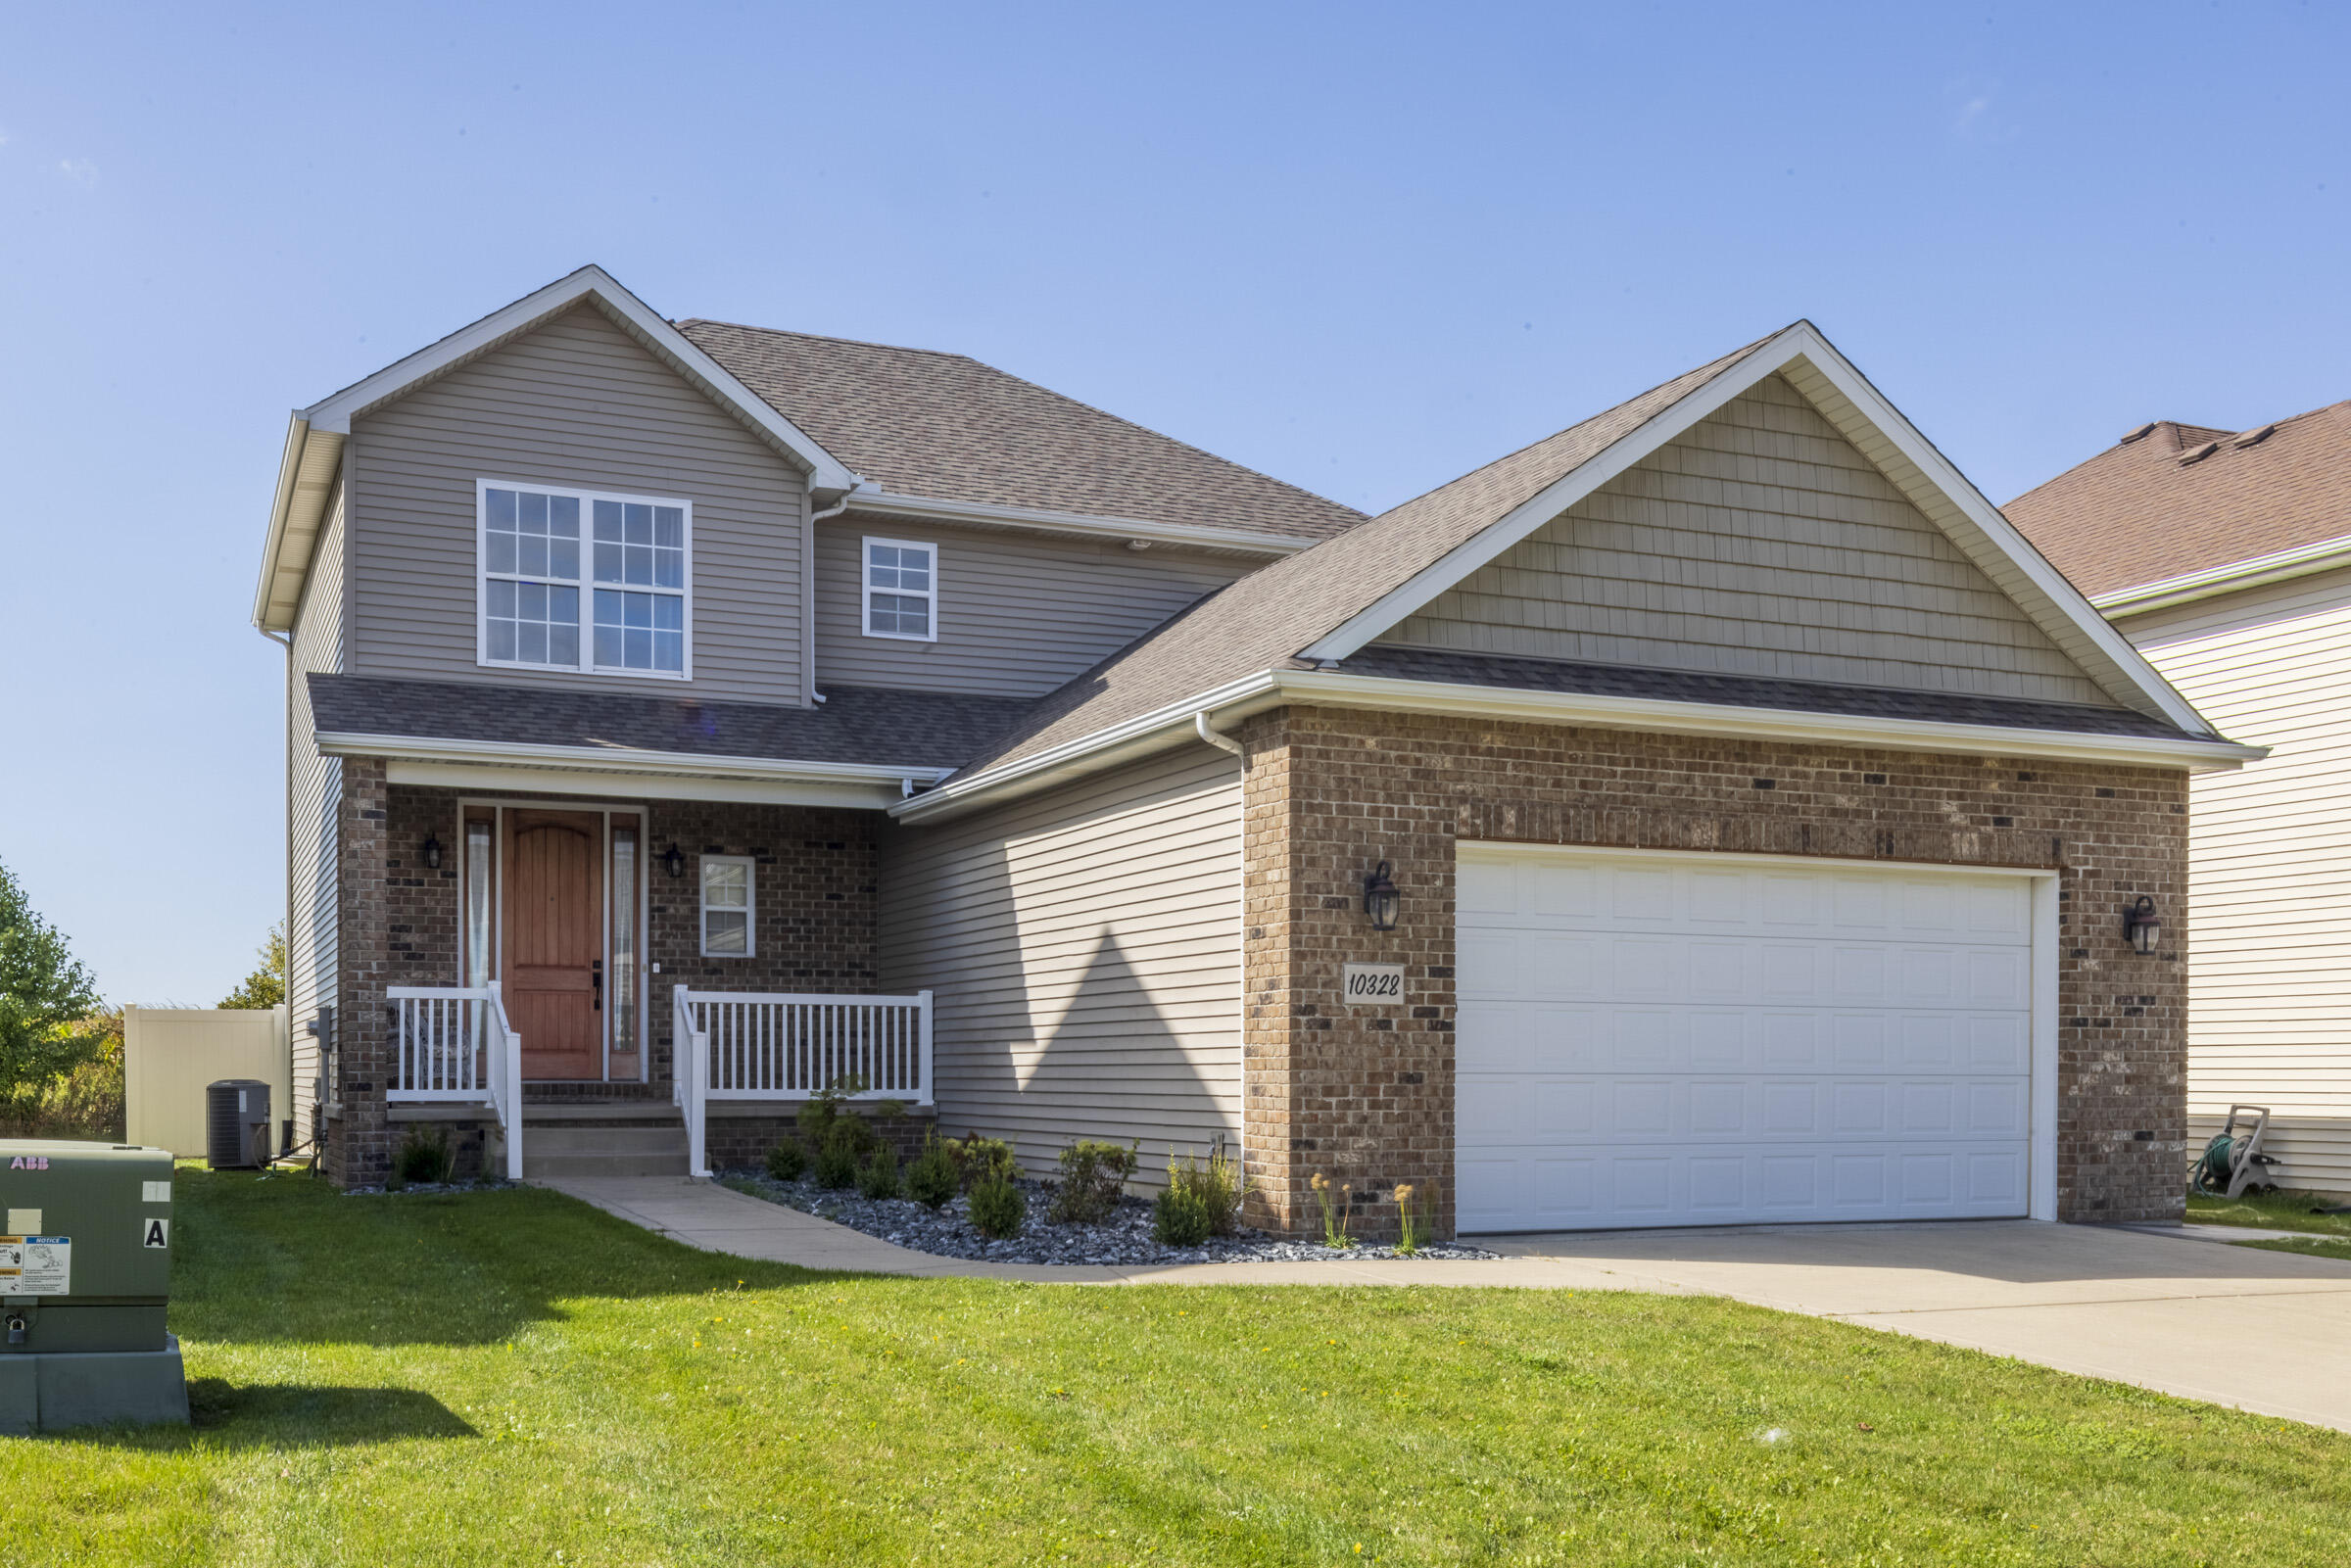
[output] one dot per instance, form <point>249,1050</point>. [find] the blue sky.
<point>1363,247</point>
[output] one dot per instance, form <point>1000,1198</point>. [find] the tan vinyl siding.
<point>2269,995</point>
<point>576,403</point>
<point>313,788</point>
<point>1085,946</point>
<point>1018,614</point>
<point>1758,543</point>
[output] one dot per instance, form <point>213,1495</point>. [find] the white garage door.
<point>1687,1040</point>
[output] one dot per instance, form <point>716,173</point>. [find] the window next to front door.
<point>581,579</point>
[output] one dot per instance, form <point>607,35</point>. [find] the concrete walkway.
<point>2175,1310</point>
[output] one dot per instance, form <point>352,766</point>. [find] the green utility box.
<point>85,1278</point>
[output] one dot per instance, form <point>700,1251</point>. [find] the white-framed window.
<point>727,906</point>
<point>582,580</point>
<point>901,590</point>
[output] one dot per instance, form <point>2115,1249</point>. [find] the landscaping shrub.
<point>1181,1217</point>
<point>976,1158</point>
<point>930,1179</point>
<point>1336,1211</point>
<point>878,1177</point>
<point>425,1158</point>
<point>1414,1209</point>
<point>1092,1176</point>
<point>1218,1186</point>
<point>998,1208</point>
<point>787,1158</point>
<point>842,1152</point>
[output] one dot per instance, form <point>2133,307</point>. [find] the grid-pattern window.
<point>624,605</point>
<point>901,590</point>
<point>726,906</point>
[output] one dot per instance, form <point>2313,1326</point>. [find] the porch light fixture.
<point>2140,924</point>
<point>430,854</point>
<point>1380,898</point>
<point>673,862</point>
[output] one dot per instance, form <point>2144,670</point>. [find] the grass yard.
<point>2329,1235</point>
<point>513,1378</point>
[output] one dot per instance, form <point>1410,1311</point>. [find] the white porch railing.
<point>452,1044</point>
<point>739,1045</point>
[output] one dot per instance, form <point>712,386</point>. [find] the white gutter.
<point>1176,723</point>
<point>2303,560</point>
<point>617,759</point>
<point>926,509</point>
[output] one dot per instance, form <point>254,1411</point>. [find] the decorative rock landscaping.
<point>1123,1238</point>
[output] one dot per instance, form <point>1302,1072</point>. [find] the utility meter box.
<point>85,1278</point>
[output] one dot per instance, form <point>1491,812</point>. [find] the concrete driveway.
<point>2179,1310</point>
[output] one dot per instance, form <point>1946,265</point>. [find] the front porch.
<point>627,986</point>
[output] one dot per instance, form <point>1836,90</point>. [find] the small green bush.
<point>976,1158</point>
<point>841,1153</point>
<point>1219,1185</point>
<point>425,1158</point>
<point>787,1158</point>
<point>878,1177</point>
<point>1181,1217</point>
<point>1093,1175</point>
<point>998,1208</point>
<point>930,1179</point>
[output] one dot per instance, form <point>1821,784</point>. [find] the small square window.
<point>901,590</point>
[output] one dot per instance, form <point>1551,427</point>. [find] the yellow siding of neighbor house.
<point>2269,1010</point>
<point>313,789</point>
<point>1084,945</point>
<point>1758,543</point>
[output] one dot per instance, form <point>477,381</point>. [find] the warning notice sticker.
<point>37,1265</point>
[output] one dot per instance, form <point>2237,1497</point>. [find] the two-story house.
<point>1714,812</point>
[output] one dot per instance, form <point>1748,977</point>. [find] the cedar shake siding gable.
<point>576,403</point>
<point>1757,543</point>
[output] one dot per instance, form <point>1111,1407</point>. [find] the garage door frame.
<point>2041,1143</point>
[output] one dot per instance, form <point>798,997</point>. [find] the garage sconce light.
<point>2141,926</point>
<point>1380,898</point>
<point>674,863</point>
<point>430,854</point>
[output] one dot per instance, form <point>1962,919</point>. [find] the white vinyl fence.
<point>171,1053</point>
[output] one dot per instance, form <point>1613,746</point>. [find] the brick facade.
<point>815,891</point>
<point>1366,1095</point>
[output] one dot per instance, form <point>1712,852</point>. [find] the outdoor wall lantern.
<point>430,854</point>
<point>2140,926</point>
<point>1380,898</point>
<point>673,862</point>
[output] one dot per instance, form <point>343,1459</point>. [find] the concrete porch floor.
<point>2171,1308</point>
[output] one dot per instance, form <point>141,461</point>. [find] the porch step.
<point>606,1150</point>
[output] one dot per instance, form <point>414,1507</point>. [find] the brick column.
<point>359,1139</point>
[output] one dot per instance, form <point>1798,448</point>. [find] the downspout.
<point>811,517</point>
<point>1216,737</point>
<point>285,812</point>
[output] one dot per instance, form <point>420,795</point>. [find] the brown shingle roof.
<point>942,425</point>
<point>1264,619</point>
<point>2136,513</point>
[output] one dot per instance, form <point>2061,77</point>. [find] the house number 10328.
<point>1372,982</point>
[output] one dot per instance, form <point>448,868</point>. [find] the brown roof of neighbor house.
<point>2150,508</point>
<point>1264,619</point>
<point>919,422</point>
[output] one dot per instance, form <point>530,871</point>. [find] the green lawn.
<point>511,1378</point>
<point>2329,1235</point>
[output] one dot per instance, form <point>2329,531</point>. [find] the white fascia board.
<point>586,784</point>
<point>928,509</point>
<point>335,413</point>
<point>297,431</point>
<point>1175,723</point>
<point>612,759</point>
<point>1623,453</point>
<point>1801,342</point>
<point>2303,560</point>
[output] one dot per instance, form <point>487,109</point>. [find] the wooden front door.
<point>554,941</point>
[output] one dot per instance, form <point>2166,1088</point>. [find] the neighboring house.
<point>715,710</point>
<point>2226,558</point>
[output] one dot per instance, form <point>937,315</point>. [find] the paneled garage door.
<point>1689,1040</point>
